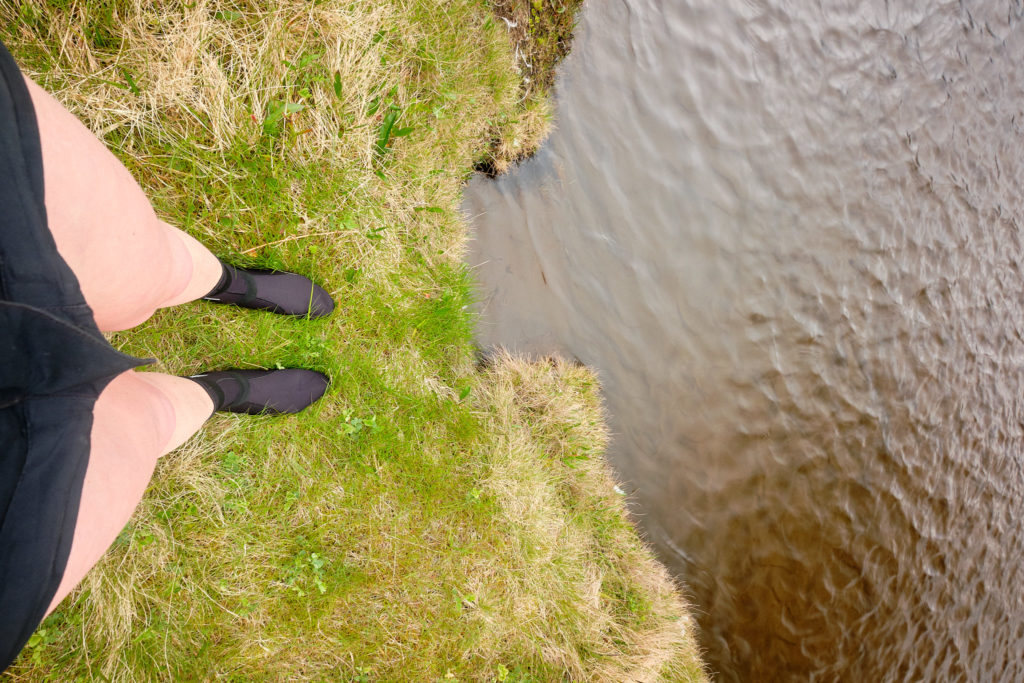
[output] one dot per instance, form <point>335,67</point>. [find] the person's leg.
<point>127,261</point>
<point>138,417</point>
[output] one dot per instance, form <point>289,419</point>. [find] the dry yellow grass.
<point>570,527</point>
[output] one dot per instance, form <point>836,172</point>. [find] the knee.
<point>136,413</point>
<point>118,320</point>
<point>159,269</point>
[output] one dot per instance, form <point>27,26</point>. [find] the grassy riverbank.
<point>432,519</point>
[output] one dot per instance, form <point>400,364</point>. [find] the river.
<point>788,237</point>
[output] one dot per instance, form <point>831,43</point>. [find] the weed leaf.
<point>384,133</point>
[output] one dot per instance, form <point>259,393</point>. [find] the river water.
<point>788,236</point>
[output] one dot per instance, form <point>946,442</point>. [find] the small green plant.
<point>387,131</point>
<point>384,107</point>
<point>143,537</point>
<point>306,568</point>
<point>231,462</point>
<point>277,117</point>
<point>352,425</point>
<point>304,73</point>
<point>39,641</point>
<point>236,505</point>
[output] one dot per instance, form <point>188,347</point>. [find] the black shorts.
<point>54,362</point>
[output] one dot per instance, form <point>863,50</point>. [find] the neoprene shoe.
<point>263,392</point>
<point>271,290</point>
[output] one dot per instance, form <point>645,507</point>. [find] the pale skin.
<point>128,263</point>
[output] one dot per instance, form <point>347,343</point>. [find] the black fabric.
<point>54,363</point>
<point>270,290</point>
<point>263,392</point>
<point>222,283</point>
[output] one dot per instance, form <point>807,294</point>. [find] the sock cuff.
<point>225,280</point>
<point>215,393</point>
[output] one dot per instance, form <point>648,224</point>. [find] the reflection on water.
<point>788,235</point>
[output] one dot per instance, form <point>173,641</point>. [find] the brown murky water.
<point>788,235</point>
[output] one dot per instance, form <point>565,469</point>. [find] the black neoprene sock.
<point>270,290</point>
<point>222,284</point>
<point>270,392</point>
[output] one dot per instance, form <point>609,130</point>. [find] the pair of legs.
<point>128,264</point>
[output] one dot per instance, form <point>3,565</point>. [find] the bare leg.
<point>138,417</point>
<point>127,261</point>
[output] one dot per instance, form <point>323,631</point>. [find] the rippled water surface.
<point>788,235</point>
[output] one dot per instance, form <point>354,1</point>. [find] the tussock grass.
<point>566,525</point>
<point>541,32</point>
<point>427,520</point>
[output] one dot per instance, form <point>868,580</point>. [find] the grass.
<point>541,33</point>
<point>432,519</point>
